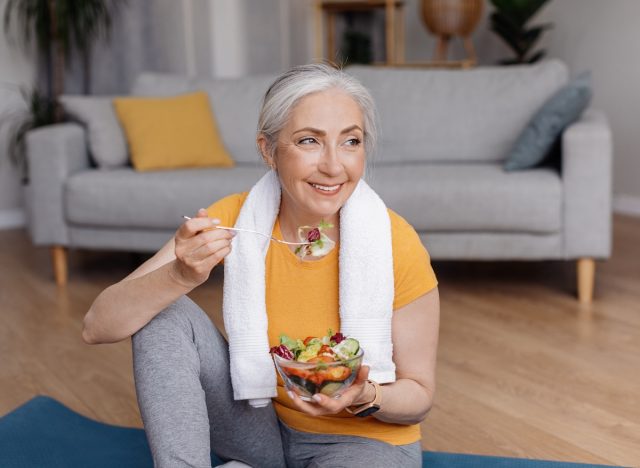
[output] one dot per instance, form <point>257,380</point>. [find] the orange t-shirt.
<point>302,300</point>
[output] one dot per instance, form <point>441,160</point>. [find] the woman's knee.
<point>178,317</point>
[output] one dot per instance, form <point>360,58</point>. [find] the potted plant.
<point>509,21</point>
<point>58,29</point>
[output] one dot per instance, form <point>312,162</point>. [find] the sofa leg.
<point>586,279</point>
<point>59,257</point>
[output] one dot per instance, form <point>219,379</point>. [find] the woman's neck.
<point>291,219</point>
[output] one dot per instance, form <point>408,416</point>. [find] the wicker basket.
<point>452,17</point>
<point>448,18</point>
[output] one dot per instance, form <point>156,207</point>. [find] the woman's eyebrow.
<point>349,129</point>
<point>322,132</point>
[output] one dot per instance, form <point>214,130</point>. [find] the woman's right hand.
<point>198,248</point>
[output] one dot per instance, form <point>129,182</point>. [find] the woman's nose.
<point>329,162</point>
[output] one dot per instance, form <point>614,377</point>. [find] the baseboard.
<point>12,219</point>
<point>627,205</point>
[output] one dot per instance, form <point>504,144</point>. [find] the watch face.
<point>367,412</point>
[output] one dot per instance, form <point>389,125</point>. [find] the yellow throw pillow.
<point>171,132</point>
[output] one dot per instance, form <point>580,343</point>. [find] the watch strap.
<point>371,407</point>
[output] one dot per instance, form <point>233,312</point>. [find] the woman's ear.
<point>263,145</point>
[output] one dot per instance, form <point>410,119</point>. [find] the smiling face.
<point>319,156</point>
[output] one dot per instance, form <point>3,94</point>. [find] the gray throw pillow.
<point>107,142</point>
<point>540,135</point>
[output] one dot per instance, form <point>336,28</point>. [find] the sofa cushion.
<point>171,132</point>
<point>457,115</point>
<point>236,104</point>
<point>153,200</point>
<point>107,143</point>
<point>472,197</point>
<point>544,130</point>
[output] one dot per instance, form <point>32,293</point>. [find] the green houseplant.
<point>356,45</point>
<point>58,29</point>
<point>39,111</point>
<point>510,21</point>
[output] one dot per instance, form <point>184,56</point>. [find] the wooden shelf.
<point>394,25</point>
<point>363,5</point>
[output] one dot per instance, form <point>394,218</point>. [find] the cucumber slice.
<point>329,388</point>
<point>353,365</point>
<point>352,346</point>
<point>347,348</point>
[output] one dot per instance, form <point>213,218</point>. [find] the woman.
<point>315,128</point>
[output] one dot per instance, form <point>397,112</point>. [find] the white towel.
<point>366,288</point>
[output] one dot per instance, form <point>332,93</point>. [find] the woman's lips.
<point>324,190</point>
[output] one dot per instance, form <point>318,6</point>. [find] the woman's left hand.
<point>323,405</point>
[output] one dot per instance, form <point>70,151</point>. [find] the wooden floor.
<point>523,369</point>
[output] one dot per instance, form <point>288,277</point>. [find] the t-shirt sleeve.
<point>227,209</point>
<point>412,271</point>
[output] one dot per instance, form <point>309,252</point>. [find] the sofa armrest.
<point>587,154</point>
<point>54,153</point>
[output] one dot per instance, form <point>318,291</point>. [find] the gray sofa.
<point>445,134</point>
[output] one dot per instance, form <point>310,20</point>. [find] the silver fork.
<point>255,232</point>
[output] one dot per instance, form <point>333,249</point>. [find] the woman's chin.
<point>329,203</point>
<point>325,208</point>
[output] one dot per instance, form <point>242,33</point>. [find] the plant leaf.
<point>520,11</point>
<point>39,112</point>
<point>537,56</point>
<point>508,22</point>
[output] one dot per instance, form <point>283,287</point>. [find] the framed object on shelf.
<point>326,12</point>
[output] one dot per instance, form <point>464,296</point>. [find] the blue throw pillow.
<point>542,132</point>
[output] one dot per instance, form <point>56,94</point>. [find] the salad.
<point>325,364</point>
<point>319,243</point>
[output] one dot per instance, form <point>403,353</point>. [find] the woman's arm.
<point>182,264</point>
<point>415,343</point>
<point>409,398</point>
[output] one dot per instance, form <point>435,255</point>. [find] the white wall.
<point>201,35</point>
<point>168,36</point>
<point>262,22</point>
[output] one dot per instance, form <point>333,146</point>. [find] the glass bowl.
<point>308,378</point>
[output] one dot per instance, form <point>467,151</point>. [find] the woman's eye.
<point>353,141</point>
<point>307,140</point>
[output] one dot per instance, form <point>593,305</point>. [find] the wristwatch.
<point>368,408</point>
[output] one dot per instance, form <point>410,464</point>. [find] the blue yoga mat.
<point>45,433</point>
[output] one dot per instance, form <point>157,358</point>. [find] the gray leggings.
<point>181,370</point>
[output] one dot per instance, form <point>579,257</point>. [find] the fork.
<point>256,232</point>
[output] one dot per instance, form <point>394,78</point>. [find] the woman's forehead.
<point>329,107</point>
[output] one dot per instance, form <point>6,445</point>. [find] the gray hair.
<point>287,90</point>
